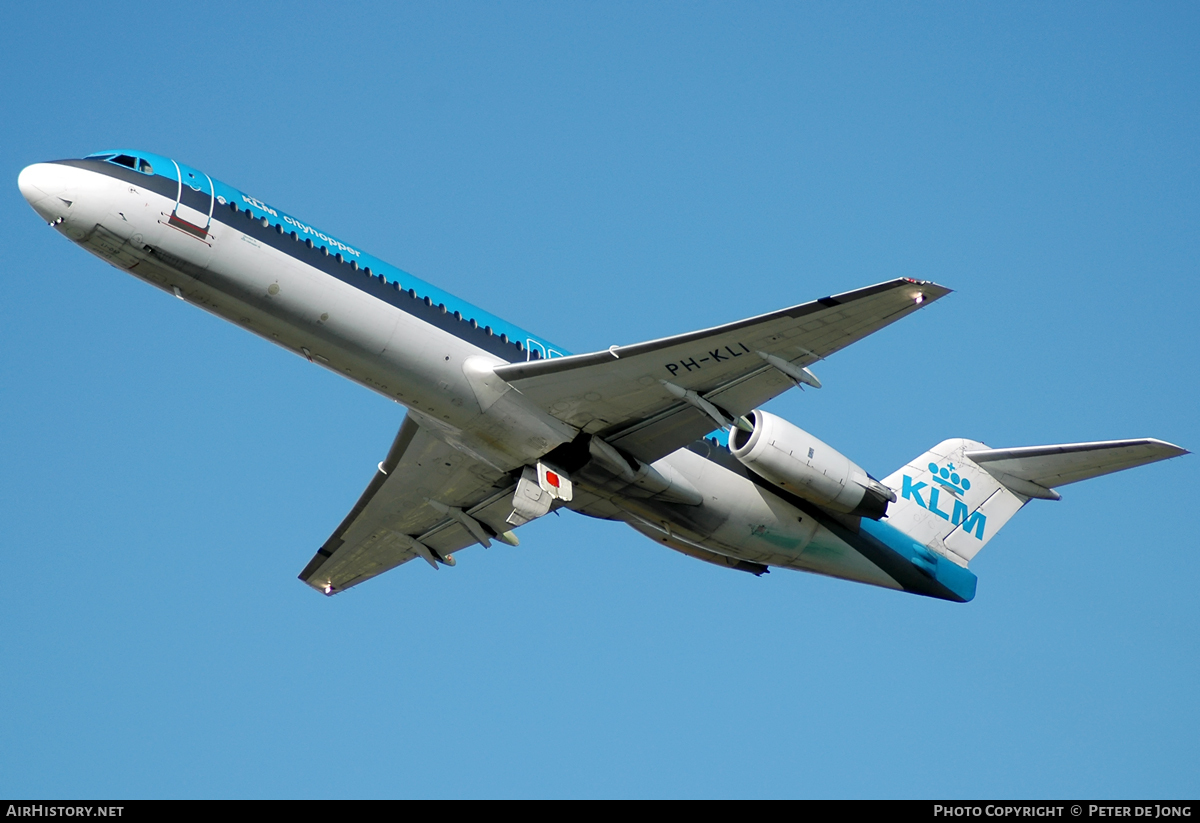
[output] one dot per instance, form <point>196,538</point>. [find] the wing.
<point>379,532</point>
<point>620,393</point>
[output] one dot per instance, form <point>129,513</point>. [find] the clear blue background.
<point>607,173</point>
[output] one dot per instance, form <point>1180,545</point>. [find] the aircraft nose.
<point>45,186</point>
<point>28,181</point>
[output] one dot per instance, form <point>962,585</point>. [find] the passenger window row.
<point>366,270</point>
<point>140,165</point>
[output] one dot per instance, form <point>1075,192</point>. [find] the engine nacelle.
<point>796,461</point>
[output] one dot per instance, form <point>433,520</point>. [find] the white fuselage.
<point>288,296</point>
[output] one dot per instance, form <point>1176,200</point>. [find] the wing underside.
<point>395,509</point>
<point>622,394</point>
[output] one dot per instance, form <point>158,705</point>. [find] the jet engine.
<point>796,461</point>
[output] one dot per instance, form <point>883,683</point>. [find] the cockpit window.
<point>127,160</point>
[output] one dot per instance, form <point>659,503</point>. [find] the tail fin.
<point>957,495</point>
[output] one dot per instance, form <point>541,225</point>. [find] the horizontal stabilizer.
<point>1035,470</point>
<point>955,497</point>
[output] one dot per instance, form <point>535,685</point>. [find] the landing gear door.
<point>193,202</point>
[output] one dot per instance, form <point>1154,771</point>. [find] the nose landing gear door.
<point>193,202</point>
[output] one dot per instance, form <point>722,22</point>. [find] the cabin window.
<point>338,257</point>
<point>308,242</point>
<point>458,315</point>
<point>354,266</point>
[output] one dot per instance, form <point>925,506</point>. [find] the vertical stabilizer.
<point>957,495</point>
<point>947,502</point>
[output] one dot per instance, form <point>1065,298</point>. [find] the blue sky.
<point>608,173</point>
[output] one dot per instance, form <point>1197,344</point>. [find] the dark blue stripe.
<point>407,301</point>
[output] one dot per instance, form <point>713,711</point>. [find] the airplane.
<point>503,426</point>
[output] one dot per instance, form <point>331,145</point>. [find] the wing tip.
<point>317,561</point>
<point>1170,450</point>
<point>327,589</point>
<point>930,289</point>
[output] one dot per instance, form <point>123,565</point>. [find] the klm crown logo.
<point>948,479</point>
<point>945,478</point>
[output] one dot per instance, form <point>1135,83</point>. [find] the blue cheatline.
<point>165,167</point>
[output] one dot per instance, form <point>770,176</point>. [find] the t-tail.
<point>954,498</point>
